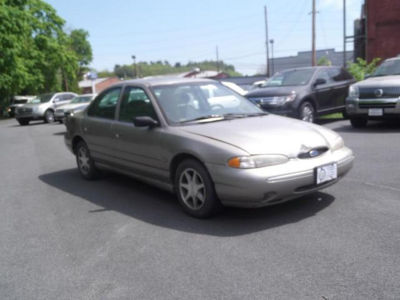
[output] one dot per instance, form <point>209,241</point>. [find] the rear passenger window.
<point>104,105</point>
<point>135,103</point>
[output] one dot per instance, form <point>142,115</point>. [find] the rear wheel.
<point>85,162</point>
<point>307,112</point>
<point>195,190</point>
<point>358,122</point>
<point>23,122</point>
<point>49,116</point>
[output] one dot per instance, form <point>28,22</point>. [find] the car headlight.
<point>354,92</point>
<point>281,100</point>
<point>257,161</point>
<point>337,144</point>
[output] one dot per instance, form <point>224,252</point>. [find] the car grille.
<point>377,105</point>
<point>24,111</point>
<point>371,93</point>
<point>313,153</point>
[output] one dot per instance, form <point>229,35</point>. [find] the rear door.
<point>97,126</point>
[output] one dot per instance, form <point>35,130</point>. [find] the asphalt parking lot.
<point>64,238</point>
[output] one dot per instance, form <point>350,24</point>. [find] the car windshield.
<point>42,98</point>
<point>290,78</point>
<point>81,99</point>
<point>390,67</point>
<point>202,102</point>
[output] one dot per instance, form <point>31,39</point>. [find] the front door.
<point>324,91</point>
<point>139,149</point>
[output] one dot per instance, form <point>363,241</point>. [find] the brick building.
<point>100,84</point>
<point>378,30</point>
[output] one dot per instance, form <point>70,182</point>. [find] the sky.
<point>188,30</point>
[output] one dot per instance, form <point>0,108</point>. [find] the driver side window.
<point>135,103</point>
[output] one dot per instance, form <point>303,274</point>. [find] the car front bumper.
<point>361,107</point>
<point>276,184</point>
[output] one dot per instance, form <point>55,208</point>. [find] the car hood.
<point>72,106</point>
<point>382,81</point>
<point>269,134</point>
<point>274,91</point>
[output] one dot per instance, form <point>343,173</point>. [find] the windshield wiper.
<point>208,117</point>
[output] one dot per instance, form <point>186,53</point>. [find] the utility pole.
<point>314,54</point>
<point>217,54</point>
<point>272,57</point>
<point>266,41</point>
<point>134,65</point>
<point>344,34</point>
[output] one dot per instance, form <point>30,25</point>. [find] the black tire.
<point>358,122</point>
<point>23,122</point>
<point>49,116</point>
<point>210,204</point>
<point>307,112</point>
<point>345,115</point>
<point>86,166</point>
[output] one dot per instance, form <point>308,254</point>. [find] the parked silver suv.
<point>42,107</point>
<point>377,97</point>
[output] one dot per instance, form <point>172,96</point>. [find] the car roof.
<point>312,68</point>
<point>155,81</point>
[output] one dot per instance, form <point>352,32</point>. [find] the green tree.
<point>361,68</point>
<point>80,45</point>
<point>324,61</point>
<point>36,53</point>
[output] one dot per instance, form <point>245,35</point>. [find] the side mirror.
<point>145,121</point>
<point>319,81</point>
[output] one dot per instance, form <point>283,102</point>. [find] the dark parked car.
<point>304,93</point>
<point>377,97</point>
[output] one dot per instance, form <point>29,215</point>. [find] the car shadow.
<point>32,123</point>
<point>372,127</point>
<point>327,121</point>
<point>148,204</point>
<point>59,133</point>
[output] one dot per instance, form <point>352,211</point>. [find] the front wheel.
<point>195,190</point>
<point>307,112</point>
<point>49,116</point>
<point>358,122</point>
<point>23,122</point>
<point>85,162</point>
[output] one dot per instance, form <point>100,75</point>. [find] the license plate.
<point>326,173</point>
<point>375,112</point>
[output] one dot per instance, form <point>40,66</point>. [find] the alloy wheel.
<point>192,189</point>
<point>83,160</point>
<point>49,116</point>
<point>307,113</point>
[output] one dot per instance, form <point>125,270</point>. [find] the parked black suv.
<point>304,93</point>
